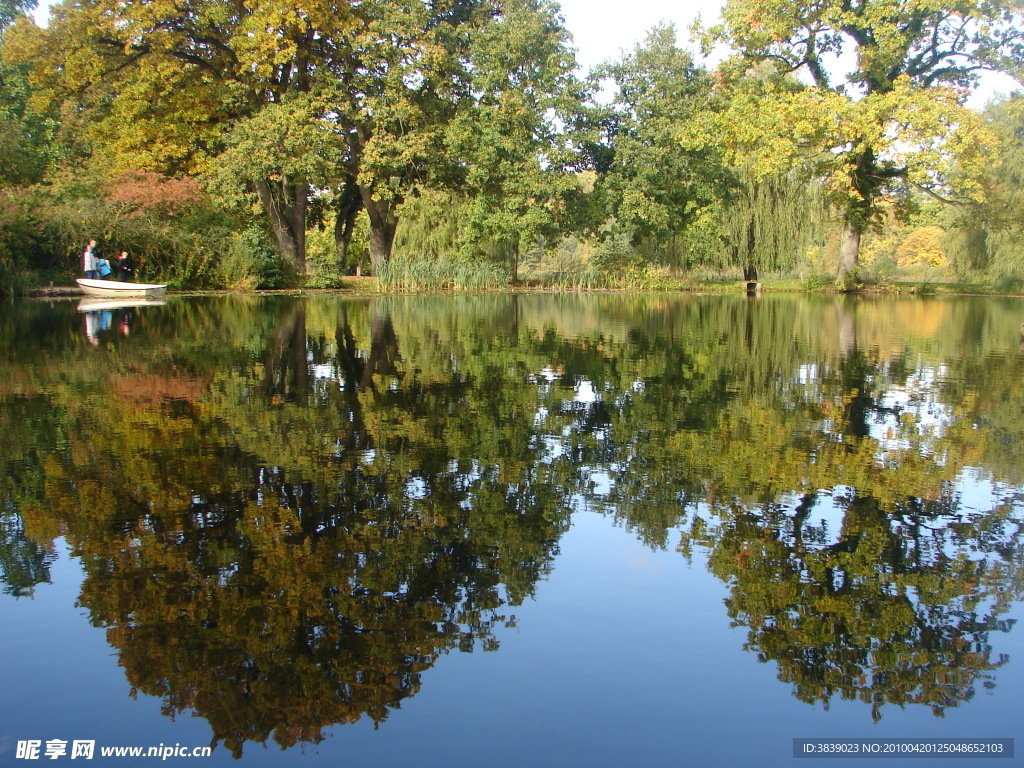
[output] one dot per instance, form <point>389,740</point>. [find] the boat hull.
<point>114,288</point>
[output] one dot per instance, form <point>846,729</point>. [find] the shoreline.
<point>369,287</point>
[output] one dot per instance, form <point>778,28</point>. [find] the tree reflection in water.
<point>290,511</point>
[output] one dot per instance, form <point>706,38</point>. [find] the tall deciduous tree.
<point>423,77</point>
<point>520,179</point>
<point>289,97</point>
<point>896,120</point>
<point>993,242</point>
<point>24,134</point>
<point>163,85</point>
<point>403,76</point>
<point>651,186</point>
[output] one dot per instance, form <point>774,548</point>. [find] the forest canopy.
<point>457,143</point>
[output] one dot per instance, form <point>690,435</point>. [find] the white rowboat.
<point>111,288</point>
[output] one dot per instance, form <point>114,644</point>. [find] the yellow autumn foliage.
<point>922,248</point>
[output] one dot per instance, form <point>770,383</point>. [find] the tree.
<point>162,87</point>
<point>519,171</point>
<point>770,221</point>
<point>25,134</point>
<point>989,240</point>
<point>648,185</point>
<point>424,80</point>
<point>345,98</point>
<point>403,77</point>
<point>12,9</point>
<point>897,121</point>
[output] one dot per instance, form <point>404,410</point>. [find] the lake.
<point>544,530</point>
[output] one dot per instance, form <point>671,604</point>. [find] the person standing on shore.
<point>124,267</point>
<point>89,261</point>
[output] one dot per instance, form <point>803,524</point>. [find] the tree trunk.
<point>349,204</point>
<point>382,238</point>
<point>849,252</point>
<point>383,346</point>
<point>866,182</point>
<point>383,224</point>
<point>515,260</point>
<point>284,202</point>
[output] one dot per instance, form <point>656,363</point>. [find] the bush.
<point>817,282</point>
<point>13,274</point>
<point>248,262</point>
<point>19,237</point>
<point>170,228</point>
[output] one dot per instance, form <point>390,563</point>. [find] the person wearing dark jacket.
<point>124,267</point>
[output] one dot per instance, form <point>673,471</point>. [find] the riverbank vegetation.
<point>232,144</point>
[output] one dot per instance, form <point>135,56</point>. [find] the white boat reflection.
<point>98,304</point>
<point>99,313</point>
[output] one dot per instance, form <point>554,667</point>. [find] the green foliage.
<point>614,262</point>
<point>771,223</point>
<point>168,227</point>
<point>896,122</point>
<point>322,268</point>
<point>989,239</point>
<point>433,249</point>
<point>27,132</point>
<point>248,262</point>
<point>13,9</point>
<point>520,185</point>
<point>415,273</point>
<point>652,188</point>
<point>19,236</point>
<point>434,226</point>
<point>468,124</point>
<point>816,282</point>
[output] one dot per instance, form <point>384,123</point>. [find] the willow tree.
<point>770,222</point>
<point>896,122</point>
<point>992,240</point>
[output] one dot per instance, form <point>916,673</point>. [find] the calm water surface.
<point>534,530</point>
